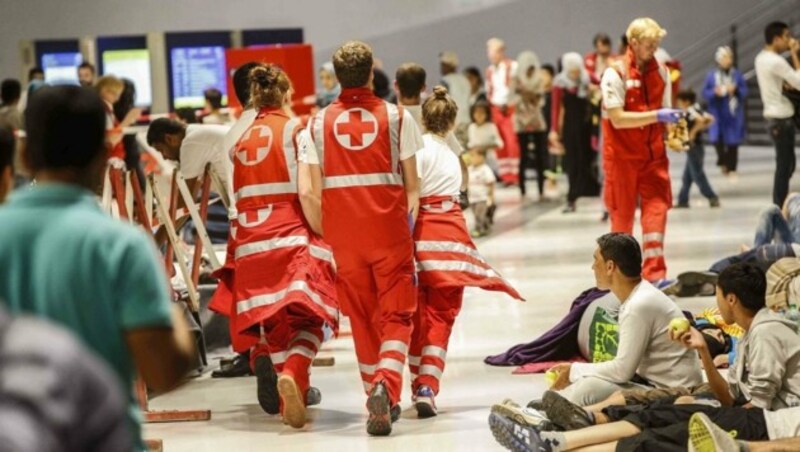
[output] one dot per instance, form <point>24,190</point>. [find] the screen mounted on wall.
<point>194,70</point>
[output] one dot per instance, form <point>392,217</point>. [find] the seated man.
<point>777,236</point>
<point>766,376</point>
<point>645,357</point>
<point>62,258</point>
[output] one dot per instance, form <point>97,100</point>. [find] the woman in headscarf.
<point>725,91</point>
<point>531,127</point>
<point>572,127</point>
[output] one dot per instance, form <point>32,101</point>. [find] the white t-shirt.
<point>498,84</point>
<point>459,89</point>
<point>485,134</point>
<point>410,141</point>
<point>480,178</point>
<point>614,89</point>
<point>645,348</point>
<point>237,130</point>
<point>438,168</point>
<point>772,71</point>
<point>450,139</point>
<point>202,145</point>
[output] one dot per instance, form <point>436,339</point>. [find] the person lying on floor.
<point>777,236</point>
<point>765,376</point>
<point>646,357</point>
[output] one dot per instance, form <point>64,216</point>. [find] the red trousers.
<point>376,290</point>
<point>508,155</point>
<point>629,182</point>
<point>292,339</point>
<point>433,323</point>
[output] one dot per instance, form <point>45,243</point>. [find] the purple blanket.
<point>560,343</point>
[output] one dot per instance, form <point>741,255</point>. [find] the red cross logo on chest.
<point>355,129</point>
<point>251,218</point>
<point>253,149</point>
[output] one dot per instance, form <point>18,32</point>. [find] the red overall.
<point>112,127</point>
<point>508,155</point>
<point>636,165</point>
<point>278,274</point>
<point>365,219</point>
<point>447,261</point>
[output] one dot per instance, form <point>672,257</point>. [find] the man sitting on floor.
<point>646,358</point>
<point>766,375</point>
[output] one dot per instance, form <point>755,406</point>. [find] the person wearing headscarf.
<point>530,123</point>
<point>572,127</point>
<point>329,85</point>
<point>725,91</point>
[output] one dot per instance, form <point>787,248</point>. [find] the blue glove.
<point>669,115</point>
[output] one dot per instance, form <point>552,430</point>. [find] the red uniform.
<point>278,275</point>
<point>503,117</point>
<point>447,261</point>
<point>113,127</point>
<point>636,164</point>
<point>365,219</point>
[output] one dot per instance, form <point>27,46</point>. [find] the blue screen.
<point>195,69</point>
<point>61,68</point>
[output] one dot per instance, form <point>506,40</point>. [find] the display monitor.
<point>134,65</point>
<point>61,68</point>
<point>194,70</point>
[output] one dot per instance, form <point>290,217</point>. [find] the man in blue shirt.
<point>62,258</point>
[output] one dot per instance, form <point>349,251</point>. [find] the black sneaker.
<point>267,385</point>
<point>681,205</point>
<point>239,366</point>
<point>517,437</point>
<point>564,413</point>
<point>698,283</point>
<point>379,407</point>
<point>713,203</point>
<point>395,413</point>
<point>313,396</point>
<point>536,404</point>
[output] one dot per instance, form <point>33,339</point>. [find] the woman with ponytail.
<point>447,260</point>
<point>277,285</point>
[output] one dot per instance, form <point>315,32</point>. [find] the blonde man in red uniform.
<point>277,284</point>
<point>637,100</point>
<point>447,260</point>
<point>500,80</point>
<point>369,201</point>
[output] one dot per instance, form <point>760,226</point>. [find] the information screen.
<point>133,65</point>
<point>194,70</point>
<point>61,68</point>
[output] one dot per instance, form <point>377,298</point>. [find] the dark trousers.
<point>761,256</point>
<point>782,133</point>
<point>693,172</point>
<point>533,150</point>
<point>727,156</point>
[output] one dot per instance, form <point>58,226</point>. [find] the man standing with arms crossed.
<point>370,198</point>
<point>637,102</point>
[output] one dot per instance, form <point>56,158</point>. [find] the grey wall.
<point>400,30</point>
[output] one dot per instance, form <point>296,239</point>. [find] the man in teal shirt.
<point>62,258</point>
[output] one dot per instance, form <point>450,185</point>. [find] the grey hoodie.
<point>768,375</point>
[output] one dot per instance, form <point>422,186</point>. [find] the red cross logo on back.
<point>355,129</point>
<point>255,148</point>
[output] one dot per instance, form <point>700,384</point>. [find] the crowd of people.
<point>399,161</point>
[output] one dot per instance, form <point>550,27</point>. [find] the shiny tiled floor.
<point>547,255</point>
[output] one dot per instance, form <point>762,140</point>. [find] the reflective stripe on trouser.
<point>433,322</point>
<point>291,340</point>
<point>508,155</point>
<point>376,290</point>
<point>627,183</point>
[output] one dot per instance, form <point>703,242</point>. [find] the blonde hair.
<point>645,28</point>
<point>109,82</point>
<point>496,43</point>
<point>439,112</point>
<point>268,86</point>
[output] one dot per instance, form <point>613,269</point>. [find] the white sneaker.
<point>525,416</point>
<point>705,436</point>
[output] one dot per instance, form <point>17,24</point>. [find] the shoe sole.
<point>380,419</point>
<point>294,408</point>
<point>267,385</point>
<point>503,432</point>
<point>700,438</point>
<point>556,407</point>
<point>519,418</point>
<point>425,410</point>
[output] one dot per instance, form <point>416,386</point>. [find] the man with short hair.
<point>370,199</point>
<point>10,94</point>
<point>500,81</point>
<point>637,101</point>
<point>213,106</point>
<point>773,73</point>
<point>86,74</point>
<point>62,258</point>
<point>597,62</point>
